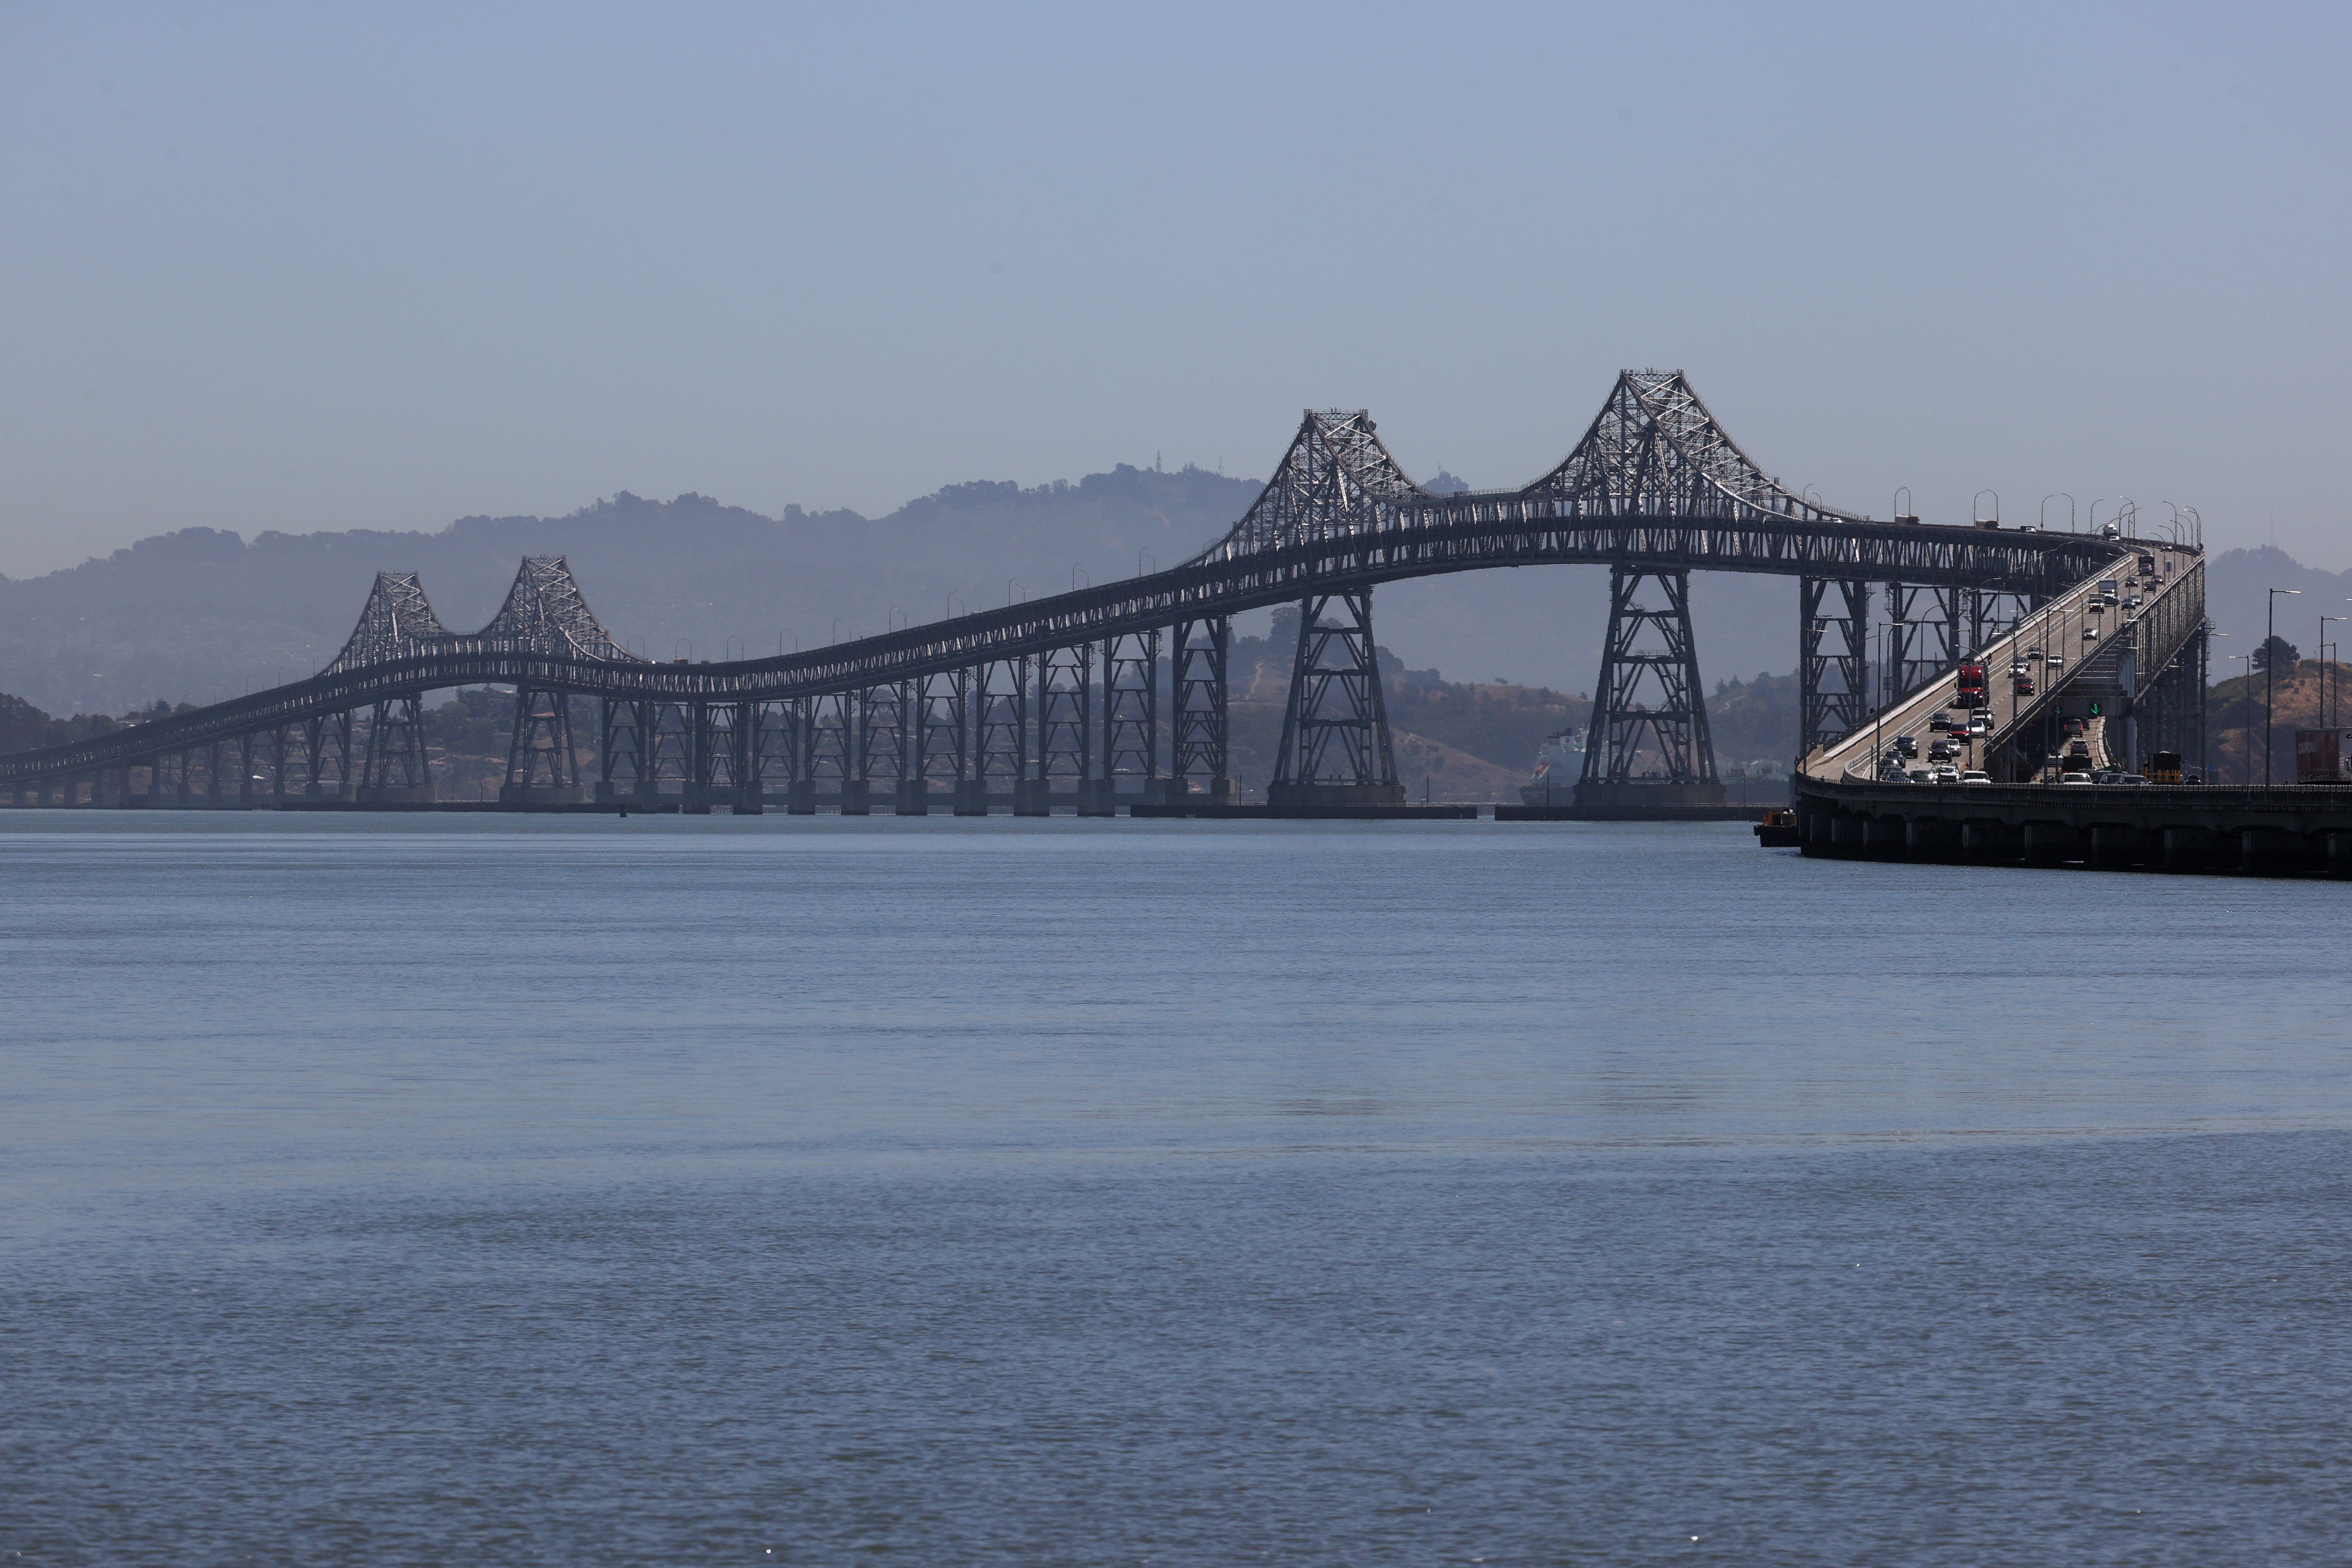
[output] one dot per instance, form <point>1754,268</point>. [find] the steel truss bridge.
<point>1118,693</point>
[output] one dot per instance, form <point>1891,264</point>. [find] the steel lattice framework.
<point>1654,487</point>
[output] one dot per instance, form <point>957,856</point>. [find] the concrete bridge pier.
<point>2048,843</point>
<point>1032,797</point>
<point>1097,797</point>
<point>1989,841</point>
<point>800,798</point>
<point>2339,853</point>
<point>2190,848</point>
<point>2267,850</point>
<point>2115,846</point>
<point>971,797</point>
<point>912,797</point>
<point>1932,839</point>
<point>857,797</point>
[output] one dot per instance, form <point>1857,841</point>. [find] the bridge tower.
<point>395,771</point>
<point>1336,752</point>
<point>539,765</point>
<point>1648,704</point>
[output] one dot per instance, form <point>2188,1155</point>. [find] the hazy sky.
<point>330,266</point>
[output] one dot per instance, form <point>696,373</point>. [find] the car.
<point>1940,720</point>
<point>1975,776</point>
<point>2090,634</point>
<point>1893,773</point>
<point>2023,686</point>
<point>1943,750</point>
<point>2131,778</point>
<point>1921,775</point>
<point>2017,667</point>
<point>2105,775</point>
<point>2073,726</point>
<point>1906,745</point>
<point>1980,724</point>
<point>2073,778</point>
<point>2054,664</point>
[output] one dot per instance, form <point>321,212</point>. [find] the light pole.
<point>2326,713</point>
<point>2270,675</point>
<point>2246,720</point>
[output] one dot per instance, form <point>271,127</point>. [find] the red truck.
<point>1972,686</point>
<point>2323,756</point>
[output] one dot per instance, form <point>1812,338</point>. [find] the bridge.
<point>1116,695</point>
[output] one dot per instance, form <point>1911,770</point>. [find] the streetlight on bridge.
<point>2326,712</point>
<point>2270,675</point>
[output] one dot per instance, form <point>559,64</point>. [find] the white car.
<point>2073,778</point>
<point>1976,775</point>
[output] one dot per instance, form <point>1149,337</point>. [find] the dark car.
<point>1943,750</point>
<point>2024,685</point>
<point>1906,745</point>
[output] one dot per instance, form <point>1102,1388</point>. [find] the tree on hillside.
<point>2277,652</point>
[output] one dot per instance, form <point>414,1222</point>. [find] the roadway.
<point>2056,628</point>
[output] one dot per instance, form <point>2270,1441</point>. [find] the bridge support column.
<point>1032,797</point>
<point>2339,853</point>
<point>2267,850</point>
<point>912,797</point>
<point>971,798</point>
<point>800,797</point>
<point>1196,668</point>
<point>1932,837</point>
<point>1989,841</point>
<point>856,798</point>
<point>1131,719</point>
<point>1098,798</point>
<point>1336,753</point>
<point>2048,843</point>
<point>396,773</point>
<point>1834,650</point>
<point>2190,849</point>
<point>1885,834</point>
<point>1648,744</point>
<point>540,769</point>
<point>2115,846</point>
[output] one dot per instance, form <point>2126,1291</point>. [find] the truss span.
<point>1653,485</point>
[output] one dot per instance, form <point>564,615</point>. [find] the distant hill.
<point>201,613</point>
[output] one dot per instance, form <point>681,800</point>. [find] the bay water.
<point>434,1189</point>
